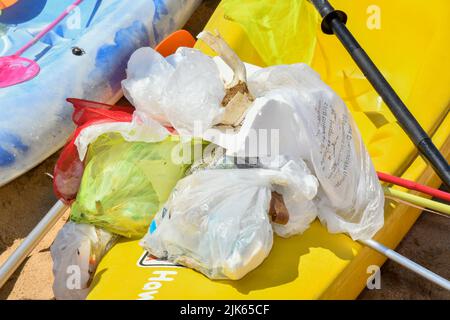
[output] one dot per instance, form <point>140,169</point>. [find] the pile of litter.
<point>216,156</point>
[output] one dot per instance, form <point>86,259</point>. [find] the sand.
<point>25,201</point>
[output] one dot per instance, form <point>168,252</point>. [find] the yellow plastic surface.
<point>270,24</point>
<point>412,50</point>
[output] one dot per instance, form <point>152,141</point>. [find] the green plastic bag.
<point>282,32</point>
<point>125,183</point>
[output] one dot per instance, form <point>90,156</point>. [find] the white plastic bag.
<point>216,221</point>
<point>351,199</point>
<point>184,90</point>
<point>141,129</point>
<point>313,124</point>
<point>298,195</point>
<point>76,252</point>
<point>213,157</point>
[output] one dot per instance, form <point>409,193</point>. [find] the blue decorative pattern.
<point>35,119</point>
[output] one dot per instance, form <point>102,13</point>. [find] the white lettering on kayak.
<point>152,287</point>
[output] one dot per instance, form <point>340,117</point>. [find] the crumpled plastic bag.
<point>214,157</point>
<point>302,210</point>
<point>141,128</point>
<point>301,207</point>
<point>350,199</point>
<point>182,90</point>
<point>69,168</point>
<point>313,124</point>
<point>92,120</point>
<point>124,183</point>
<point>216,220</point>
<point>76,252</point>
<point>280,31</point>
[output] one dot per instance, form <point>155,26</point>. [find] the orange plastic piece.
<point>172,42</point>
<point>6,3</point>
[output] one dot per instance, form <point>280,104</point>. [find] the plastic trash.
<point>281,31</point>
<point>124,183</point>
<point>69,167</point>
<point>313,124</point>
<point>94,119</point>
<point>350,199</point>
<point>76,252</point>
<point>310,121</point>
<point>301,207</point>
<point>183,90</point>
<point>191,94</point>
<point>216,220</point>
<point>214,157</point>
<point>302,210</point>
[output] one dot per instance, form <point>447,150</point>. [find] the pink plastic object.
<point>15,69</point>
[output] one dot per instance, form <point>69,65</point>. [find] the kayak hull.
<point>35,119</point>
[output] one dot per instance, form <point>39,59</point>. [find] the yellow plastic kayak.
<point>411,47</point>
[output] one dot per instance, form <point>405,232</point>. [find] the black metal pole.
<point>333,22</point>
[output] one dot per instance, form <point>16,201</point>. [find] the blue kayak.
<point>84,56</point>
